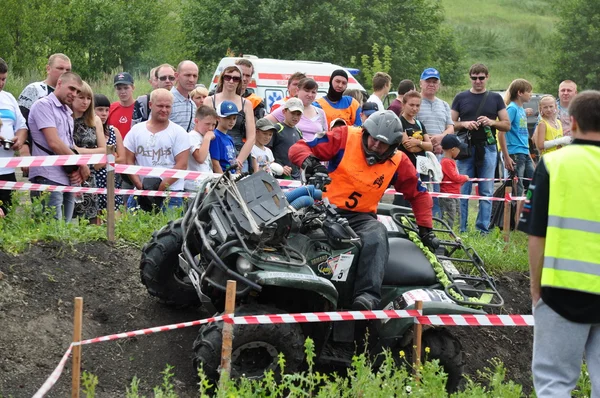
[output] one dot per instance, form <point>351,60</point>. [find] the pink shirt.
<point>308,127</point>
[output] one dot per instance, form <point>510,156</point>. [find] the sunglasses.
<point>229,78</point>
<point>480,78</point>
<point>164,78</point>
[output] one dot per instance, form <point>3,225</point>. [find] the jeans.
<point>63,203</point>
<point>486,188</point>
<point>523,169</point>
<point>373,255</point>
<point>556,366</point>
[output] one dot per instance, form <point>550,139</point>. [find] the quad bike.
<point>291,252</point>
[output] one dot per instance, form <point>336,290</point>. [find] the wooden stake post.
<point>417,335</point>
<point>110,193</point>
<point>227,334</point>
<point>76,367</point>
<point>507,213</point>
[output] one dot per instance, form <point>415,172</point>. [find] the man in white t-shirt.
<point>158,142</point>
<point>13,133</point>
<point>382,82</point>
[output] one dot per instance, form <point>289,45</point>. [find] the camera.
<point>6,144</point>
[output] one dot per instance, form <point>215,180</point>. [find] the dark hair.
<point>307,84</point>
<point>380,80</point>
<point>517,86</point>
<point>245,62</point>
<point>405,86</point>
<point>3,66</point>
<point>409,95</point>
<point>585,109</point>
<point>101,100</point>
<point>205,111</point>
<point>296,76</point>
<point>478,68</point>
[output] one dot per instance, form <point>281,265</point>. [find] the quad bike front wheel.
<point>446,349</point>
<point>159,268</point>
<point>255,348</point>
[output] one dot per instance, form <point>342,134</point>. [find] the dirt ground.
<point>36,304</point>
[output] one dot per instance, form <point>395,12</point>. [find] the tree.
<point>574,54</point>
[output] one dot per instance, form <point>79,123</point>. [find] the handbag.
<point>465,135</point>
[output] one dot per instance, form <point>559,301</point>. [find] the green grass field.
<point>509,36</point>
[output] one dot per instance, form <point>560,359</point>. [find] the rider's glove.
<point>428,238</point>
<point>312,166</point>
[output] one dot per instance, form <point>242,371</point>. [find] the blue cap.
<point>429,73</point>
<point>227,108</point>
<point>370,108</point>
<point>452,141</point>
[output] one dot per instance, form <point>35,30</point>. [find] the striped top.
<point>184,110</point>
<point>435,115</point>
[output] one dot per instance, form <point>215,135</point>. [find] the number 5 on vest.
<point>353,200</point>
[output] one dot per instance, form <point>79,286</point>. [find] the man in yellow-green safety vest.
<point>562,218</point>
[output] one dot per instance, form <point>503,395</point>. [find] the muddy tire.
<point>159,269</point>
<point>255,347</point>
<point>448,350</point>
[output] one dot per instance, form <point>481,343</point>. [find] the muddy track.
<point>36,304</point>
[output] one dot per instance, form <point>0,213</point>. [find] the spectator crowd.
<point>181,125</point>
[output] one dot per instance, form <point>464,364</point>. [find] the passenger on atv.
<point>363,162</point>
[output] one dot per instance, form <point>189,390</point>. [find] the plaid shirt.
<point>183,111</point>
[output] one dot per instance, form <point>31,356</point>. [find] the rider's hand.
<point>312,166</point>
<point>428,238</point>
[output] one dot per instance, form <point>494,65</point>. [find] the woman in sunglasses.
<point>243,132</point>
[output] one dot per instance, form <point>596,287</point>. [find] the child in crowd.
<point>368,109</point>
<point>222,150</point>
<point>200,138</point>
<point>198,94</point>
<point>548,136</point>
<point>286,135</point>
<point>452,181</point>
<point>515,142</point>
<point>262,157</point>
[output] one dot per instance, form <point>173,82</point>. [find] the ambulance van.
<point>271,76</point>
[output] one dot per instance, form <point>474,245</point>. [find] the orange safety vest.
<point>331,113</point>
<point>254,99</point>
<point>355,185</point>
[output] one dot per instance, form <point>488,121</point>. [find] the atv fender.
<point>395,329</point>
<point>313,283</point>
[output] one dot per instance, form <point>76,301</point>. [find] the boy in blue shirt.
<point>515,142</point>
<point>222,149</point>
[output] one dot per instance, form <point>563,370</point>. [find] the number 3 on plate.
<point>353,200</point>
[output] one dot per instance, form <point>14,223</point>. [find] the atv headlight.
<point>243,266</point>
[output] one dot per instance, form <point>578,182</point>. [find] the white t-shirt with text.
<point>158,149</point>
<point>196,140</point>
<point>263,157</point>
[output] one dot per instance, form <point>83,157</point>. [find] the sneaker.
<point>362,303</point>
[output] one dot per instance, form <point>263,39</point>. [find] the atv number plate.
<point>389,223</point>
<point>342,267</point>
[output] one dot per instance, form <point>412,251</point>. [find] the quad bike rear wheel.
<point>159,268</point>
<point>255,348</point>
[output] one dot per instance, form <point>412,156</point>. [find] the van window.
<point>272,96</point>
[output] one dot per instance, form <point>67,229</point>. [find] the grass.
<point>509,36</point>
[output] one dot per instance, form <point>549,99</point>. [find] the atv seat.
<point>407,265</point>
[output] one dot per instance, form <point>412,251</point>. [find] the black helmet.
<point>385,127</point>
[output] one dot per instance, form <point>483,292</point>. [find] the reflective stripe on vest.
<point>572,250</point>
<point>355,185</point>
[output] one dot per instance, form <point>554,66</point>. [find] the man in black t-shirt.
<point>482,125</point>
<point>562,218</point>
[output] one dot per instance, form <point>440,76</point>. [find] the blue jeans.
<point>523,169</point>
<point>63,203</point>
<point>486,188</point>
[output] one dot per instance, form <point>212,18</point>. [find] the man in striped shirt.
<point>184,107</point>
<point>435,116</point>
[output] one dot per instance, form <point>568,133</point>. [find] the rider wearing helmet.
<point>363,162</point>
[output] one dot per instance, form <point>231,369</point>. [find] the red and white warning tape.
<point>54,160</point>
<point>27,186</point>
<point>446,320</point>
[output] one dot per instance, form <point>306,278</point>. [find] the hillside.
<point>509,36</point>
